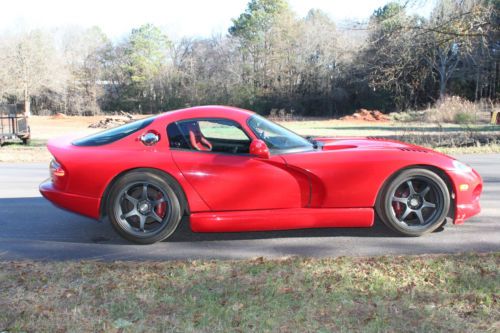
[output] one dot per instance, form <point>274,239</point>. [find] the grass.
<point>411,293</point>
<point>19,153</point>
<point>486,149</point>
<point>346,128</point>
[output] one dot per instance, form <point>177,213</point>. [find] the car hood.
<point>338,143</point>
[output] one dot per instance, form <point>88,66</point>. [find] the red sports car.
<point>230,170</point>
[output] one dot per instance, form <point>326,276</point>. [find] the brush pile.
<point>110,122</point>
<point>367,115</point>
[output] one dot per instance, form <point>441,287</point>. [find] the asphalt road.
<point>31,228</point>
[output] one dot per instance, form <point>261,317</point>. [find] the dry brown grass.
<point>454,109</point>
<point>22,154</point>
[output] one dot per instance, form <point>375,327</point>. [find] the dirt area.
<point>45,128</point>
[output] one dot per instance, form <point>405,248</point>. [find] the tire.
<point>416,209</point>
<point>143,207</point>
<point>27,139</point>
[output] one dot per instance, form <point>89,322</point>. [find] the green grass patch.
<point>20,145</point>
<point>410,293</point>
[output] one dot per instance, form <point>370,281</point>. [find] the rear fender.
<point>179,191</point>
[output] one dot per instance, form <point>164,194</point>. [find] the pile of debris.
<point>59,116</point>
<point>110,122</point>
<point>367,115</point>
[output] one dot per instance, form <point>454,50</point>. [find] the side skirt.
<point>281,219</point>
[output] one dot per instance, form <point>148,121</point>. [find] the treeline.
<point>269,59</point>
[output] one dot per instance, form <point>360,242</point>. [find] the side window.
<point>215,135</point>
<point>222,129</point>
<point>175,137</point>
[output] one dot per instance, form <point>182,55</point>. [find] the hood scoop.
<point>338,147</point>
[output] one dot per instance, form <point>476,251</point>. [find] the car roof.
<point>207,111</point>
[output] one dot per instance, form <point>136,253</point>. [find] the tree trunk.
<point>27,102</point>
<point>442,82</point>
<point>478,92</point>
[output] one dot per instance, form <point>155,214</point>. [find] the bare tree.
<point>31,65</point>
<point>453,34</point>
<point>85,53</point>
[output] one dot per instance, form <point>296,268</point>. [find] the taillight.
<point>56,169</point>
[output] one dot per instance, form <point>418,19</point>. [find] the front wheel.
<point>414,203</point>
<point>143,207</point>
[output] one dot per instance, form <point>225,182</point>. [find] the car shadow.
<point>184,233</point>
<point>37,219</point>
<point>31,228</point>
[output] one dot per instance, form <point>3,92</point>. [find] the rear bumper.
<point>73,202</point>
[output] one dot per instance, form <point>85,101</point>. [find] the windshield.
<point>114,134</point>
<point>275,136</point>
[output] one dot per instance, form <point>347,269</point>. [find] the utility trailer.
<point>13,124</point>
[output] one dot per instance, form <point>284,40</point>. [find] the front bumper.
<point>73,202</point>
<point>466,201</point>
<point>465,211</point>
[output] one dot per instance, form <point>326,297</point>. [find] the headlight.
<point>461,166</point>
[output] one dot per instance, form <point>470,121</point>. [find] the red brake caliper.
<point>160,209</point>
<point>398,206</point>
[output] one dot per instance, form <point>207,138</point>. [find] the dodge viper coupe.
<point>232,170</point>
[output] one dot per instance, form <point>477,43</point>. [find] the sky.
<point>178,18</point>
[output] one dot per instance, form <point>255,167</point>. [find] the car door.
<point>212,154</point>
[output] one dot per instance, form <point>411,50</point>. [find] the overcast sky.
<point>178,17</point>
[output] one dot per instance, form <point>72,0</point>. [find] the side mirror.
<point>259,149</point>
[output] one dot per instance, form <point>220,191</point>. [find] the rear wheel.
<point>143,207</point>
<point>414,203</point>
